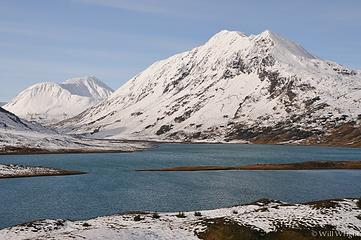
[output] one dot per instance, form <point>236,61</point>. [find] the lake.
<point>112,186</point>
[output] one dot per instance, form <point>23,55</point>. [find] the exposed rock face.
<point>260,88</point>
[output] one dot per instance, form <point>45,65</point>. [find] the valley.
<point>152,164</point>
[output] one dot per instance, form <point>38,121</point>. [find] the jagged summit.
<point>261,88</point>
<point>226,38</point>
<point>285,44</point>
<point>50,102</point>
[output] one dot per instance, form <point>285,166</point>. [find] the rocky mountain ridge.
<point>259,88</point>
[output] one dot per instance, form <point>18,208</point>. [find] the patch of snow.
<point>18,170</point>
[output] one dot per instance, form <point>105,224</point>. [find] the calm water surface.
<point>112,186</point>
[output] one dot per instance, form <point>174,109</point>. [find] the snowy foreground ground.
<point>9,171</point>
<point>263,219</point>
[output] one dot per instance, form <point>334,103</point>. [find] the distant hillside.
<point>49,102</point>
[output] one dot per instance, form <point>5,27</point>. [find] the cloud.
<point>148,6</point>
<point>7,27</point>
<point>76,36</point>
<point>185,9</point>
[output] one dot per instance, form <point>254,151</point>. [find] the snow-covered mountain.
<point>258,88</point>
<point>52,102</point>
<point>2,103</point>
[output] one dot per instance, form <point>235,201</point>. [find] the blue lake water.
<point>112,186</point>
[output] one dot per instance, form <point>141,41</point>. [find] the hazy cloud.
<point>149,6</point>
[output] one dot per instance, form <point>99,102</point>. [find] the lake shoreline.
<point>9,150</point>
<point>64,151</point>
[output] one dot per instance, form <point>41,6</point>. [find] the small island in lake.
<point>17,171</point>
<point>311,165</point>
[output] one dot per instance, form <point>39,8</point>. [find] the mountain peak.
<point>87,86</point>
<point>283,48</point>
<point>282,44</point>
<point>269,34</point>
<point>226,35</point>
<point>86,80</point>
<point>226,32</point>
<point>89,78</point>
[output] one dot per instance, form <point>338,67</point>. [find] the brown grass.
<point>220,229</point>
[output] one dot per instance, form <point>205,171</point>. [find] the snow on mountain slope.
<point>52,102</point>
<point>258,88</point>
<point>10,121</point>
<point>13,129</point>
<point>20,136</point>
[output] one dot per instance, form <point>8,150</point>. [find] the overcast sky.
<point>53,40</point>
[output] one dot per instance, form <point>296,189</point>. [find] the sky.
<point>53,40</point>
